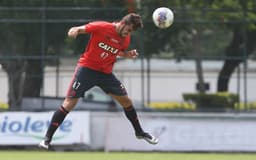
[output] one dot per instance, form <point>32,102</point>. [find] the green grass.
<point>37,155</point>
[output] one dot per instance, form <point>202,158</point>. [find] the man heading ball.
<point>94,68</point>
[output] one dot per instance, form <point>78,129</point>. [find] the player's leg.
<point>129,111</point>
<point>111,85</point>
<point>57,118</point>
<point>131,114</point>
<point>82,81</point>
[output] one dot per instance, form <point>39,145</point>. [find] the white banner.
<point>28,128</point>
<point>184,134</point>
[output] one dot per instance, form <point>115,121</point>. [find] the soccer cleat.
<point>44,145</point>
<point>146,136</point>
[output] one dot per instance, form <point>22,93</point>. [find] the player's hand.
<point>133,53</point>
<point>73,32</point>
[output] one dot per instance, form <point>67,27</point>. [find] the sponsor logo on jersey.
<point>108,48</point>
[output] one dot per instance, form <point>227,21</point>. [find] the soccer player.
<point>94,68</point>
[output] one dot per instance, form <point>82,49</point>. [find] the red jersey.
<point>103,46</point>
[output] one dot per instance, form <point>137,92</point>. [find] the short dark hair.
<point>134,19</point>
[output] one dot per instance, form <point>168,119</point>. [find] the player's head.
<point>130,22</point>
<point>134,20</point>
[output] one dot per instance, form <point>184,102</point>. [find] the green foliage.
<point>245,107</point>
<point>3,106</point>
<point>172,42</point>
<point>236,13</point>
<point>47,22</point>
<point>212,102</point>
<point>172,106</point>
<point>215,20</point>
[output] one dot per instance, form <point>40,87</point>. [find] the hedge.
<point>220,101</point>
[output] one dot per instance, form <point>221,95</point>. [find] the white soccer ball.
<point>163,17</point>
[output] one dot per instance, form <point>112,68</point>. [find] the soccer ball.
<point>163,17</point>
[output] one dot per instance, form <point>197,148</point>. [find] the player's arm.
<point>74,31</point>
<point>129,54</point>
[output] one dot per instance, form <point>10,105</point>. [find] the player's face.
<point>125,30</point>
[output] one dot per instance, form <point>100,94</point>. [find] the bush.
<point>3,106</point>
<point>173,106</point>
<point>220,101</point>
<point>241,106</point>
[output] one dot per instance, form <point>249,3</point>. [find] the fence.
<point>146,80</point>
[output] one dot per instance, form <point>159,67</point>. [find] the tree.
<point>231,25</point>
<point>35,30</point>
<point>35,33</point>
<point>243,42</point>
<point>21,43</point>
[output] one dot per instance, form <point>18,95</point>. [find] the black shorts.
<point>85,78</point>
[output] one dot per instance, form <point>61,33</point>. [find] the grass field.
<point>37,155</point>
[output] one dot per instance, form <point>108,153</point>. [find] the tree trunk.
<point>198,60</point>
<point>236,51</point>
<point>14,70</point>
<point>34,79</point>
<point>24,80</point>
<point>225,74</point>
